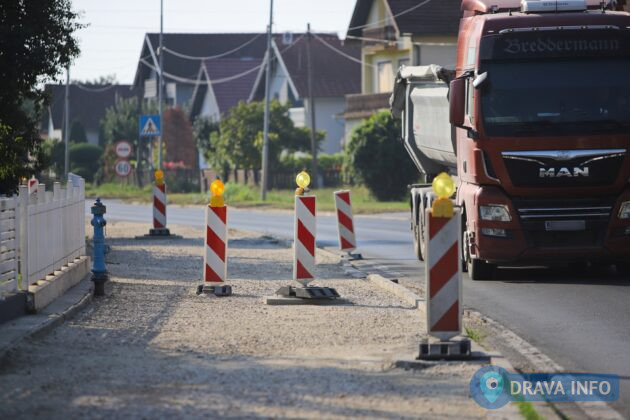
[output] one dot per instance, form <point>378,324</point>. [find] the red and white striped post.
<point>215,256</point>
<point>304,249</point>
<point>159,206</point>
<point>345,222</point>
<point>304,240</point>
<point>443,275</point>
<point>215,245</point>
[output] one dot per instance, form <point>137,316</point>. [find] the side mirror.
<point>457,101</point>
<point>480,80</point>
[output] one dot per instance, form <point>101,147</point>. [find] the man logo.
<point>564,172</point>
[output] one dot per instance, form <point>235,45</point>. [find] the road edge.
<point>543,363</point>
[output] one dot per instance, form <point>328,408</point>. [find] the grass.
<point>244,196</point>
<point>527,410</point>
<point>475,334</point>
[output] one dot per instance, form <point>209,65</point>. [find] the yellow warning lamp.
<point>444,187</point>
<point>159,177</point>
<point>302,180</point>
<point>216,189</point>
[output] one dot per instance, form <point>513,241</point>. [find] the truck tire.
<point>419,245</point>
<point>480,270</point>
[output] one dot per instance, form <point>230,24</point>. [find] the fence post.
<point>23,199</point>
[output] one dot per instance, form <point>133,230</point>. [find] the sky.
<point>111,43</point>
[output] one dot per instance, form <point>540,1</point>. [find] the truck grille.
<point>566,213</point>
<point>592,214</point>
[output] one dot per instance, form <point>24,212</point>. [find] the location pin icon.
<point>491,385</point>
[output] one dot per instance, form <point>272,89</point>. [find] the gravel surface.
<point>153,348</point>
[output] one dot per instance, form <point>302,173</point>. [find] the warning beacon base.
<point>445,350</point>
<point>308,292</point>
<point>159,233</point>
<point>217,290</point>
<point>351,257</point>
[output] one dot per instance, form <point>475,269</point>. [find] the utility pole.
<point>311,106</point>
<point>66,132</point>
<point>161,83</point>
<point>265,150</point>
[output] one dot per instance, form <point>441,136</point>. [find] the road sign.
<point>122,167</point>
<point>123,149</point>
<point>150,126</point>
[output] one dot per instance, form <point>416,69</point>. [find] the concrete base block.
<point>45,291</point>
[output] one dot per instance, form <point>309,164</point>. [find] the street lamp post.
<point>160,83</point>
<point>265,149</point>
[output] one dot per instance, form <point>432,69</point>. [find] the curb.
<point>415,301</point>
<point>63,308</point>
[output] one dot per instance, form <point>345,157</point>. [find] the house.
<point>336,72</point>
<point>393,33</point>
<point>222,83</point>
<point>87,106</point>
<point>184,54</point>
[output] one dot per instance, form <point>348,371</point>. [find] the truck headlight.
<point>495,213</point>
<point>624,211</point>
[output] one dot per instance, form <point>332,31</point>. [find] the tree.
<point>178,138</point>
<point>84,160</point>
<point>36,43</point>
<point>77,132</point>
<point>121,121</point>
<point>376,159</point>
<point>203,127</point>
<point>241,135</point>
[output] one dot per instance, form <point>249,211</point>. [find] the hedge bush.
<point>376,158</point>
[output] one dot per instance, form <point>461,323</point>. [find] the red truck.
<point>534,121</point>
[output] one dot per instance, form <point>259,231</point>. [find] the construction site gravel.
<point>152,348</point>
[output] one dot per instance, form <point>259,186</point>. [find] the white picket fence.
<point>8,245</point>
<point>48,229</point>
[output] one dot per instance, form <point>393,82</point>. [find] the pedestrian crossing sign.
<point>150,126</point>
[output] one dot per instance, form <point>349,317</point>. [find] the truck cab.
<point>539,113</point>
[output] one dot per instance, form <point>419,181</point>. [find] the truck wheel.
<point>480,270</point>
<point>419,245</point>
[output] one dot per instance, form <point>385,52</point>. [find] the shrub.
<point>84,159</point>
<point>375,158</point>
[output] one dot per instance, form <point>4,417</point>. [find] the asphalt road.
<point>580,320</point>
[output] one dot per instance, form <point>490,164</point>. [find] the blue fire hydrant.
<point>99,270</point>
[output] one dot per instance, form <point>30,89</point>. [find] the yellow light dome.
<point>443,185</point>
<point>303,179</point>
<point>217,188</point>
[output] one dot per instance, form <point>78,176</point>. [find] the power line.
<point>212,57</point>
<point>338,51</point>
<point>404,12</point>
<point>217,81</point>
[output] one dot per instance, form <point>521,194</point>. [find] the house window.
<point>384,77</point>
<point>403,62</point>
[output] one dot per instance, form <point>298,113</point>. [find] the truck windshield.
<point>557,97</point>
